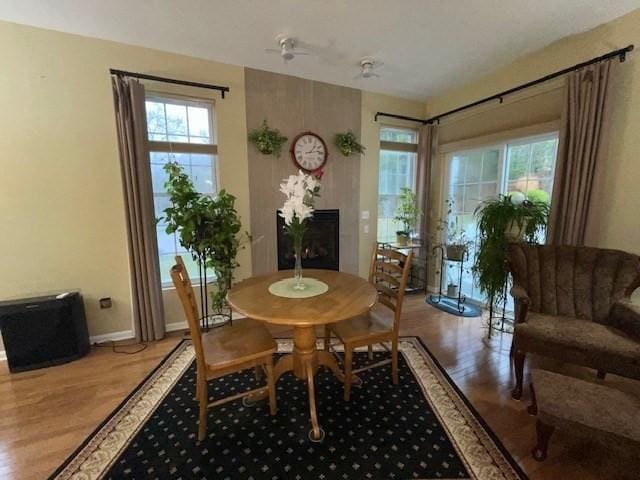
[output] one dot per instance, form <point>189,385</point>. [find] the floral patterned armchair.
<point>573,304</point>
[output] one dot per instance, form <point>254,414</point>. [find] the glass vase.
<point>297,270</point>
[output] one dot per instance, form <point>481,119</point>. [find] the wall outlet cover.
<point>105,302</point>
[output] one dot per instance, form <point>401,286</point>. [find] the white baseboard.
<point>112,337</point>
<point>3,355</point>
<point>172,327</point>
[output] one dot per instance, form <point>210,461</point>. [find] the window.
<point>182,131</point>
<point>398,158</point>
<point>526,165</point>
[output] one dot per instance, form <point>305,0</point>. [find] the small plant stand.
<point>209,319</point>
<point>498,320</point>
<point>436,299</point>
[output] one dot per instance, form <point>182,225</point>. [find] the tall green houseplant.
<point>407,215</point>
<point>498,219</point>
<point>209,228</point>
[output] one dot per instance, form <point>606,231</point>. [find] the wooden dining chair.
<point>224,350</point>
<point>389,273</point>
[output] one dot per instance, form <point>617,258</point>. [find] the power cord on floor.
<point>113,345</point>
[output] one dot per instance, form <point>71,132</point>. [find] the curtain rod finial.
<point>623,53</point>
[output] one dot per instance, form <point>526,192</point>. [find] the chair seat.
<point>378,321</point>
<point>580,341</point>
<point>242,342</point>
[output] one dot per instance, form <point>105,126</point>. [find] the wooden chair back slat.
<point>386,291</point>
<point>389,273</point>
<point>392,254</point>
<point>387,302</point>
<point>392,268</point>
<point>385,277</point>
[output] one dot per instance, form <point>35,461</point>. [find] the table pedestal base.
<point>304,363</point>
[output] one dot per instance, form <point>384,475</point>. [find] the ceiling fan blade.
<point>272,50</point>
<point>358,76</point>
<point>300,53</point>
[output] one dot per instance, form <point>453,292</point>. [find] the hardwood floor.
<point>46,414</point>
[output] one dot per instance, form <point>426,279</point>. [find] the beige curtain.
<point>148,310</point>
<point>427,144</point>
<point>578,153</point>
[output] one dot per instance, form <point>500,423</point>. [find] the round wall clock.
<point>309,152</point>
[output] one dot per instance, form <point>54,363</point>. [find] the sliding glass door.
<point>526,165</point>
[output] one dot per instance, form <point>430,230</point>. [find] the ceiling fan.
<point>287,48</point>
<point>367,66</point>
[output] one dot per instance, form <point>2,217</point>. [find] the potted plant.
<point>451,234</point>
<point>407,214</point>
<point>457,242</point>
<point>500,221</point>
<point>348,144</point>
<point>267,140</point>
<point>209,228</point>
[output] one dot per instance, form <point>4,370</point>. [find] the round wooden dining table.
<point>348,296</point>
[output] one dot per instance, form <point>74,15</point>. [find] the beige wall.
<point>295,105</point>
<point>615,221</point>
<point>370,138</point>
<point>61,201</point>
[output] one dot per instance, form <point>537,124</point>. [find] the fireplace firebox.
<point>321,244</point>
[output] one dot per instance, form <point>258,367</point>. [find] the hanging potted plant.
<point>505,219</point>
<point>348,144</point>
<point>407,215</point>
<point>267,140</point>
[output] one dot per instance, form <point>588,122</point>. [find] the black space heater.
<point>44,330</point>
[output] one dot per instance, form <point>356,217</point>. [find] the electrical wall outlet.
<point>366,228</point>
<point>365,215</point>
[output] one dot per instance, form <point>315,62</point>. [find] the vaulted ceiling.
<point>427,46</point>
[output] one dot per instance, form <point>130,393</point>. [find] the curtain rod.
<point>144,76</point>
<point>620,53</point>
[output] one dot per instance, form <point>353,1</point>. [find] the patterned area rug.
<point>423,428</point>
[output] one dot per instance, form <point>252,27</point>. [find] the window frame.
<point>526,140</point>
<point>172,147</point>
<point>502,147</point>
<point>503,168</point>
<point>398,147</point>
<point>448,169</point>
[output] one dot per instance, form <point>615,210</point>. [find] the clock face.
<point>309,151</point>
